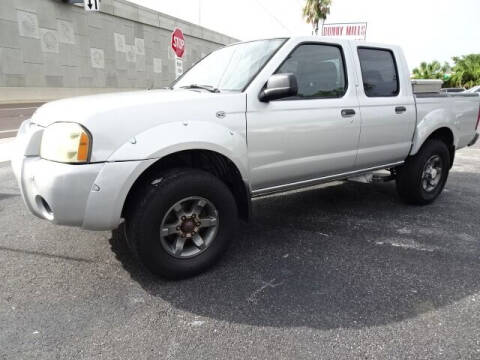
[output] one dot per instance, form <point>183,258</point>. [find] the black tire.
<point>154,203</point>
<point>410,183</point>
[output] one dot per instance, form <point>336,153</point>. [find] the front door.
<point>312,135</point>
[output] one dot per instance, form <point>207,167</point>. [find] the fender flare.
<point>173,137</point>
<point>432,122</point>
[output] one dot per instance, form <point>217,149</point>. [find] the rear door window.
<point>379,72</point>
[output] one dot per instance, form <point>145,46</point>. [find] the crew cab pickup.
<point>177,167</point>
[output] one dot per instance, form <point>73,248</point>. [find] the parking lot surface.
<point>338,272</point>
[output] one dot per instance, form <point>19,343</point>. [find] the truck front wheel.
<point>182,223</point>
<point>423,176</point>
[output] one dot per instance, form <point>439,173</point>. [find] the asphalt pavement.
<point>338,272</point>
<point>12,115</point>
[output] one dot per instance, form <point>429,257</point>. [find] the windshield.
<point>230,68</point>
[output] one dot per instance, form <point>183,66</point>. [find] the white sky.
<point>426,29</point>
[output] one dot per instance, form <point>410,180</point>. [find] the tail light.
<point>478,119</point>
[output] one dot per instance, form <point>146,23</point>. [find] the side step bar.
<point>372,178</point>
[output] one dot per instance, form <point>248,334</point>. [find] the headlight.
<point>66,142</point>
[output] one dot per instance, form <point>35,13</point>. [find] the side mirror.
<point>279,86</point>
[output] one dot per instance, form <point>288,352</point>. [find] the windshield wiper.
<point>204,87</point>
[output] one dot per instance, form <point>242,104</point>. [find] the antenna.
<point>272,15</point>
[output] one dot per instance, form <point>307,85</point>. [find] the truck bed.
<point>458,109</point>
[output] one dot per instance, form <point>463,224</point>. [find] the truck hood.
<point>88,110</point>
<point>113,119</point>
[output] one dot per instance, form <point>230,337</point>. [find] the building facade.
<point>52,45</point>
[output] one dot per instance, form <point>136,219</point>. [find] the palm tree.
<point>314,11</point>
<point>466,71</point>
<point>433,70</point>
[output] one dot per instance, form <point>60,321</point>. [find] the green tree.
<point>433,70</point>
<point>466,71</point>
<point>315,11</point>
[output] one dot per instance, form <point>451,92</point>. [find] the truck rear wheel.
<point>182,223</point>
<point>423,176</point>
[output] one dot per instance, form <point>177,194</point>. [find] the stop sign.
<point>178,42</point>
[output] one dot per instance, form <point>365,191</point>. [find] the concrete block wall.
<point>50,44</point>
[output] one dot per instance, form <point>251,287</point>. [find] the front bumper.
<point>90,196</point>
<point>54,191</point>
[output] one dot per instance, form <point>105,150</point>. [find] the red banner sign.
<point>355,31</point>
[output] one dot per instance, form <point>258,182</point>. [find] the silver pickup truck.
<point>179,166</point>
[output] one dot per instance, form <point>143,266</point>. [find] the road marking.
<point>253,297</point>
<point>26,108</point>
<point>8,131</point>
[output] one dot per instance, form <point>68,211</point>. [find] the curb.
<point>27,95</point>
<point>6,148</point>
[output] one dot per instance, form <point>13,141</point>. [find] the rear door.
<point>387,107</point>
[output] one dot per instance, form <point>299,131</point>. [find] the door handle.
<point>400,109</point>
<point>348,112</point>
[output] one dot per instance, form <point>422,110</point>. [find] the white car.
<point>453,90</point>
<point>178,166</point>
<point>475,89</point>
